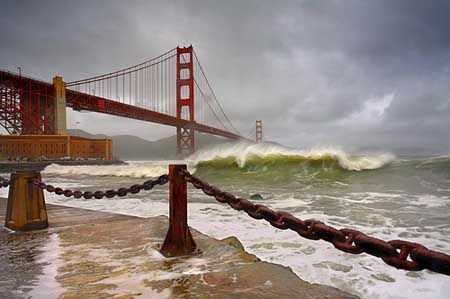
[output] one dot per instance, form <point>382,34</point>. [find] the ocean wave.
<point>246,155</point>
<point>132,170</point>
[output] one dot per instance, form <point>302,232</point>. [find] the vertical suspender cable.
<point>157,88</point>
<point>151,89</point>
<point>135,90</point>
<point>166,82</point>
<point>161,79</point>
<point>129,88</point>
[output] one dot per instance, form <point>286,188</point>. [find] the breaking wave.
<point>249,156</point>
<point>242,156</point>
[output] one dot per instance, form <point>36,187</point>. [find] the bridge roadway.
<point>81,101</point>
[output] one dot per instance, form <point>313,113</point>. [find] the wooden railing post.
<point>178,241</point>
<point>26,204</point>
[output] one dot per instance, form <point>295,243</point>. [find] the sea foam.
<point>133,170</point>
<point>243,153</point>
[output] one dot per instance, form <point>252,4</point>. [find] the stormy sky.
<point>352,73</point>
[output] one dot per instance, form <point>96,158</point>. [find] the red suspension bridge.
<point>171,89</point>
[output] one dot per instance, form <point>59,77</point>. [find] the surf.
<point>132,170</point>
<point>268,155</point>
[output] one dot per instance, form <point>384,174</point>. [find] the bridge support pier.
<point>178,241</point>
<point>60,106</point>
<point>185,141</point>
<point>26,204</point>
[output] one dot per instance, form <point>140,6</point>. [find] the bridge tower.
<point>185,100</point>
<point>258,131</point>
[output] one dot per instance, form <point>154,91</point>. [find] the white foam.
<point>142,169</point>
<point>368,276</point>
<point>303,256</point>
<point>242,151</point>
<point>432,201</point>
<point>136,171</point>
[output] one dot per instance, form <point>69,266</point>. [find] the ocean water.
<point>379,194</point>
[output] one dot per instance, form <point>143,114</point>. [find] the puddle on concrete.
<point>48,258</point>
<point>20,264</point>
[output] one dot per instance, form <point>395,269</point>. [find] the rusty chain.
<point>3,182</point>
<point>147,185</point>
<point>397,253</point>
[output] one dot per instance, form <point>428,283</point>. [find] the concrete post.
<point>178,241</point>
<point>26,203</point>
<point>60,106</point>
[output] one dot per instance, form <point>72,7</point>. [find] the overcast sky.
<point>352,73</point>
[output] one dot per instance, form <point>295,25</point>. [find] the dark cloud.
<point>314,71</point>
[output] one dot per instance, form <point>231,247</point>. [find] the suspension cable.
<point>212,92</point>
<point>83,81</point>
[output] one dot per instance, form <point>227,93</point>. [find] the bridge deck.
<point>92,254</point>
<point>83,101</point>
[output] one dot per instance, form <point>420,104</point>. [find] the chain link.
<point>121,192</point>
<point>397,253</point>
<point>3,182</point>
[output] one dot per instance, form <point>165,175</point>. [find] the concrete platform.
<point>90,254</point>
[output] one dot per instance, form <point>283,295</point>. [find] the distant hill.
<point>129,147</point>
<point>81,133</point>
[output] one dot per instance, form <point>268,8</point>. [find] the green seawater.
<point>385,197</point>
<point>325,174</point>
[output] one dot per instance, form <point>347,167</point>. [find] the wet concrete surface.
<point>89,254</point>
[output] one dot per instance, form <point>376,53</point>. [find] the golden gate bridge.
<point>171,89</point>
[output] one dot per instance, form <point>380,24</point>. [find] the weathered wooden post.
<point>26,204</point>
<point>178,241</point>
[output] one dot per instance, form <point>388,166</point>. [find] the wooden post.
<point>26,204</point>
<point>178,241</point>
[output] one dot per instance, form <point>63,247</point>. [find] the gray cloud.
<point>309,69</point>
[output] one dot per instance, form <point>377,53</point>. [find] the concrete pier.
<point>60,106</point>
<point>91,254</point>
